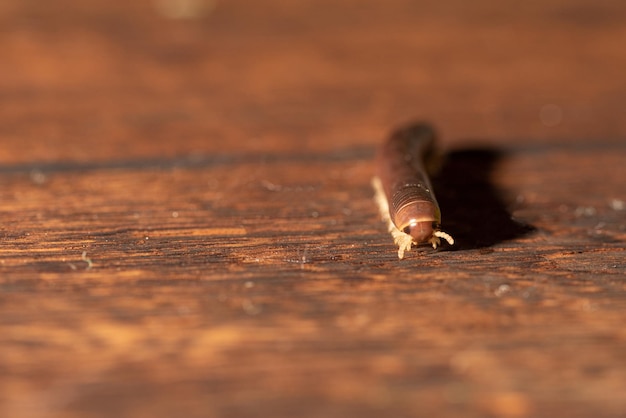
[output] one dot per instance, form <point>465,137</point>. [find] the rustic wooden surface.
<point>188,227</point>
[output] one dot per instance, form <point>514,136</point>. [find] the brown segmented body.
<point>407,197</point>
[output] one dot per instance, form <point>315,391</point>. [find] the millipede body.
<point>403,190</point>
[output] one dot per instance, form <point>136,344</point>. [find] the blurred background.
<point>100,79</point>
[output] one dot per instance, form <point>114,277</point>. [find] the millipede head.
<point>421,231</point>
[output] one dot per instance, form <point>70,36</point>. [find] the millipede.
<point>403,189</point>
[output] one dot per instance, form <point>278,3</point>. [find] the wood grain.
<point>188,226</point>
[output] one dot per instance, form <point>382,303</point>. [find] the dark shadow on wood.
<point>473,211</point>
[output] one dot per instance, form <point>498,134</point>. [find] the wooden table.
<point>188,226</point>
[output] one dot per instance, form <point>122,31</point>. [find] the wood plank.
<point>188,226</point>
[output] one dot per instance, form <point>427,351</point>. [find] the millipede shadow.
<point>473,210</point>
